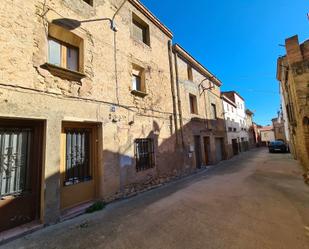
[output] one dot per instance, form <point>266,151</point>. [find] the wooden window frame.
<point>214,111</point>
<point>193,104</point>
<point>138,22</point>
<point>139,71</point>
<point>63,53</point>
<point>189,72</point>
<point>66,39</point>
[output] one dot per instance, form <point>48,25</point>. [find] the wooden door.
<point>207,150</point>
<point>235,146</point>
<point>78,164</point>
<point>197,145</point>
<point>219,149</point>
<point>20,172</point>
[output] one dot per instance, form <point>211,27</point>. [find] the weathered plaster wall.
<point>296,94</point>
<point>29,91</point>
<point>200,124</point>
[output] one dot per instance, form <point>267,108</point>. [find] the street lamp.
<point>73,23</point>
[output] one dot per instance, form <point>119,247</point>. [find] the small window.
<point>138,79</point>
<point>193,104</point>
<point>136,82</point>
<point>214,111</point>
<point>190,73</point>
<point>140,30</point>
<point>234,129</point>
<point>90,2</point>
<point>144,154</point>
<point>230,129</point>
<point>63,55</point>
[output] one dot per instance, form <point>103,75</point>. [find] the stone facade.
<point>267,134</point>
<point>100,96</point>
<point>199,110</point>
<point>250,129</point>
<point>293,74</point>
<point>278,125</point>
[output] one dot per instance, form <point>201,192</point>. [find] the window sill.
<point>139,93</point>
<point>139,42</point>
<point>63,72</point>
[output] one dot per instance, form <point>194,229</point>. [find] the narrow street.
<point>256,200</point>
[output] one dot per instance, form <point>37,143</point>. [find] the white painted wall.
<point>235,118</point>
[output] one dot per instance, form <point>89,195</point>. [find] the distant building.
<point>293,74</point>
<point>250,128</point>
<point>236,122</point>
<point>267,134</point>
<point>279,131</point>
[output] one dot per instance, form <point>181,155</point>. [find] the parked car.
<point>277,146</point>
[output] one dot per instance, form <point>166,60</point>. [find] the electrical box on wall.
<point>191,148</point>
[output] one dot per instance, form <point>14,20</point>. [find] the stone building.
<point>200,110</point>
<point>293,74</point>
<point>267,134</point>
<point>95,110</point>
<point>236,123</point>
<point>279,131</point>
<point>250,129</point>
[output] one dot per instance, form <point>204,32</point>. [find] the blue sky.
<point>238,41</point>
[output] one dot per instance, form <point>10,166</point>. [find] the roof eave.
<point>193,62</point>
<point>142,8</point>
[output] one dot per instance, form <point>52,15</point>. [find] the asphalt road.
<point>256,200</point>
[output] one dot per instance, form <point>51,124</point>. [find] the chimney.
<point>294,53</point>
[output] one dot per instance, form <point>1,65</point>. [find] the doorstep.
<point>20,231</point>
<point>70,213</point>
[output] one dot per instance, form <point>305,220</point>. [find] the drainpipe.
<point>179,100</point>
<point>115,29</point>
<point>170,57</point>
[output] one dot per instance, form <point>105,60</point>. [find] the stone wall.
<point>29,91</point>
<point>295,90</point>
<point>201,123</point>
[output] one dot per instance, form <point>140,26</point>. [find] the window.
<point>15,146</point>
<point>144,154</point>
<point>190,73</point>
<point>140,30</point>
<point>78,156</point>
<point>90,2</point>
<point>230,129</point>
<point>193,104</point>
<point>63,55</point>
<point>138,80</point>
<point>213,111</point>
<point>228,107</point>
<point>290,113</point>
<point>234,129</point>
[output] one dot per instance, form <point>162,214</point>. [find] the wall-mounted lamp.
<point>203,88</point>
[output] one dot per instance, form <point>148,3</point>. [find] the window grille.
<point>144,154</point>
<point>15,144</point>
<point>77,168</point>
